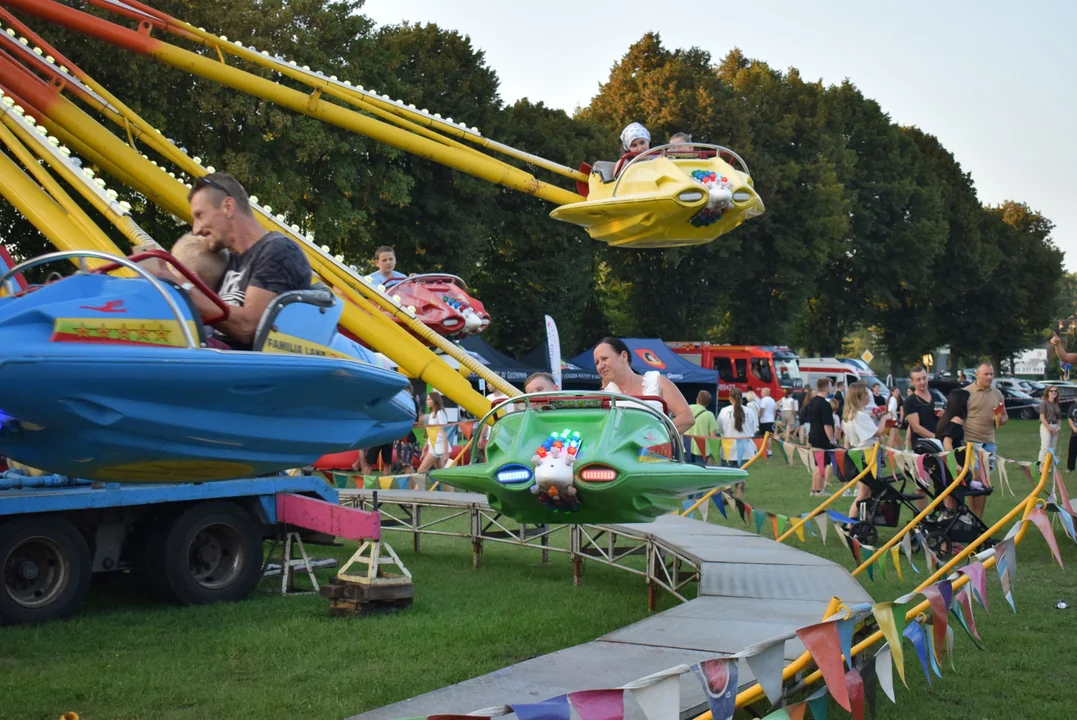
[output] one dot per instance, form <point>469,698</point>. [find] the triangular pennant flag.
<point>895,552</point>
<point>779,714</point>
<point>773,524</point>
<point>719,678</point>
<point>896,461</point>
<point>882,565</point>
<point>985,464</point>
<point>939,612</point>
<point>854,685</point>
<point>821,521</point>
<point>467,428</point>
<point>934,650</point>
<point>950,647</point>
<point>857,456</point>
<point>856,551</point>
<point>1003,476</point>
<point>951,465</point>
<point>434,432</point>
<point>782,520</point>
<point>727,449</point>
<point>766,664</point>
<point>781,448</point>
<point>962,610</point>
<point>1063,494</point>
<point>817,702</point>
<point>906,545</point>
<point>1039,517</point>
<point>820,458</point>
<point>891,621</point>
<point>599,704</point>
<point>402,482</point>
<point>719,500</point>
<point>871,570</point>
<point>1067,524</point>
<point>838,517</point>
<point>797,711</point>
<point>824,644</point>
<point>806,458</point>
<point>915,632</point>
<point>740,509</point>
<point>884,670</point>
<point>845,636</point>
<point>800,532</point>
<point>760,516</point>
<point>839,458</point>
<point>553,709</point>
<point>685,504</point>
<point>1028,472</point>
<point>660,701</point>
<point>842,537</point>
<point>385,483</point>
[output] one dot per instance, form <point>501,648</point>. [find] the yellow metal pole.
<point>97,238</point>
<point>755,692</point>
<point>921,515</point>
<point>36,206</point>
<point>834,497</point>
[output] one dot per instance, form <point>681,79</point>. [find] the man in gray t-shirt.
<point>261,265</point>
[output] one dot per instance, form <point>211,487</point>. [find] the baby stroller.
<point>883,509</point>
<point>949,530</point>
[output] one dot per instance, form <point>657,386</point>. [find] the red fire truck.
<point>746,367</point>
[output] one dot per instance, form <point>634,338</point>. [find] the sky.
<point>995,82</point>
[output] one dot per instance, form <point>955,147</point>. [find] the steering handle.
<point>187,274</point>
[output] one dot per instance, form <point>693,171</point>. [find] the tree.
<point>1018,296</point>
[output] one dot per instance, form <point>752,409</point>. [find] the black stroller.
<point>949,530</point>
<point>883,509</point>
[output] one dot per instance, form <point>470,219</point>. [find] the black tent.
<point>511,370</point>
<point>573,377</point>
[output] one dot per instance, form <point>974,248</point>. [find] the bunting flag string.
<point>719,678</point>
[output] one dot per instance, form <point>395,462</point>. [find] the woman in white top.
<point>612,360</point>
<point>737,421</point>
<point>861,432</point>
<point>436,451</point>
<point>894,409</point>
<point>788,407</point>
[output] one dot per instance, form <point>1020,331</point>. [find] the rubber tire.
<point>72,544</point>
<point>182,531</point>
<point>147,544</point>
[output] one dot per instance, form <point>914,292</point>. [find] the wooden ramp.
<point>750,589</point>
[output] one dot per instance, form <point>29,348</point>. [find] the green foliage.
<point>871,229</point>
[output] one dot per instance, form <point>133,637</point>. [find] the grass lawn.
<point>125,657</point>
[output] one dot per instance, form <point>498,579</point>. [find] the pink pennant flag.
<point>599,704</point>
<point>824,644</point>
<point>1063,494</point>
<point>965,602</point>
<point>820,458</point>
<point>920,469</point>
<point>854,685</point>
<point>938,621</point>
<point>977,580</point>
<point>1039,517</point>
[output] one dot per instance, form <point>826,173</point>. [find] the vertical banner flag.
<point>553,346</point>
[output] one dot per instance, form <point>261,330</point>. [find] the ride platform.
<point>750,589</point>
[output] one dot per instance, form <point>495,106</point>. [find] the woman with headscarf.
<point>635,139</point>
<point>612,360</point>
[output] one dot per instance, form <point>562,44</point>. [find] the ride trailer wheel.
<point>46,570</point>
<point>213,553</point>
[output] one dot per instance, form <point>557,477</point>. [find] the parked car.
<point>1020,404</point>
<point>1033,388</point>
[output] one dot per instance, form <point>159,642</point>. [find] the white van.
<point>813,369</point>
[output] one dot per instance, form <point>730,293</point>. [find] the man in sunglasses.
<point>261,265</point>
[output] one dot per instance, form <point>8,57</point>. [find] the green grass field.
<point>125,657</point>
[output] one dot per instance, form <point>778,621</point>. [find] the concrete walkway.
<point>750,589</point>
